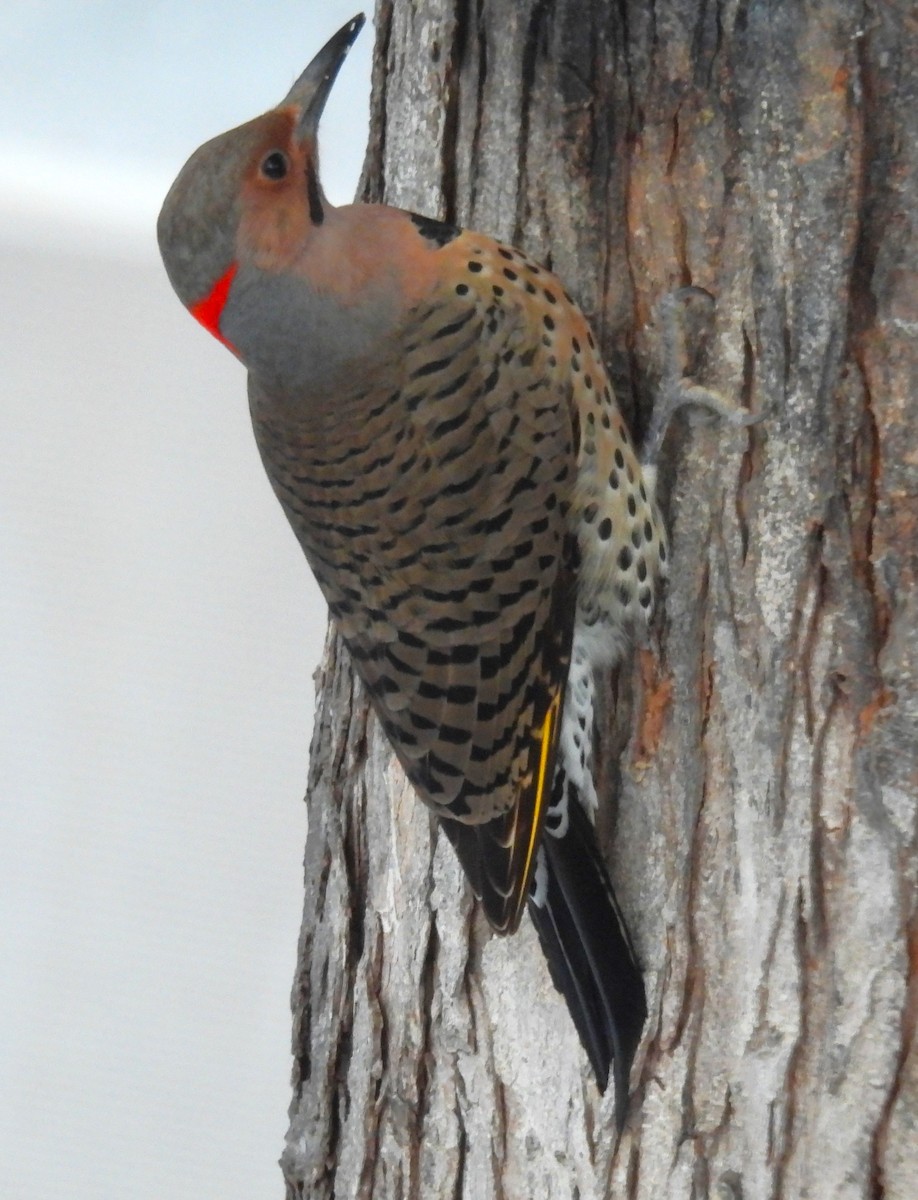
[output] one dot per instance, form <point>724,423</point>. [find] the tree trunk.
<point>761,757</point>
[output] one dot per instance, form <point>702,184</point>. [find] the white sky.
<point>158,626</point>
<point>101,102</point>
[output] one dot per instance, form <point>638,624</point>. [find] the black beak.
<point>311,90</point>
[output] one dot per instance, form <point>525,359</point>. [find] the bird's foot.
<point>677,389</point>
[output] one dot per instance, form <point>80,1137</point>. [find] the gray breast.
<point>294,339</point>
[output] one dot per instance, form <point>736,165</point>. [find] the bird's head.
<point>250,198</point>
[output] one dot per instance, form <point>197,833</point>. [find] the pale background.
<point>158,627</point>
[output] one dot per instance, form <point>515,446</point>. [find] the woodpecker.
<point>435,418</point>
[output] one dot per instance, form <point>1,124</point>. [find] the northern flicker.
<point>437,423</point>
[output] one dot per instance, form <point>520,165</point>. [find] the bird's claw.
<point>677,390</point>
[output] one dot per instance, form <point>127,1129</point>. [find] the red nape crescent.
<point>209,310</point>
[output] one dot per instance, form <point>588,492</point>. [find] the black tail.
<point>592,964</point>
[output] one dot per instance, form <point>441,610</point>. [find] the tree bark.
<point>760,758</point>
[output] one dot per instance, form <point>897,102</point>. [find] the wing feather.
<point>430,507</point>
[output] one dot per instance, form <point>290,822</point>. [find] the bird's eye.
<point>275,165</point>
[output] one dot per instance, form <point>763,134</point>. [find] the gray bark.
<point>760,759</point>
